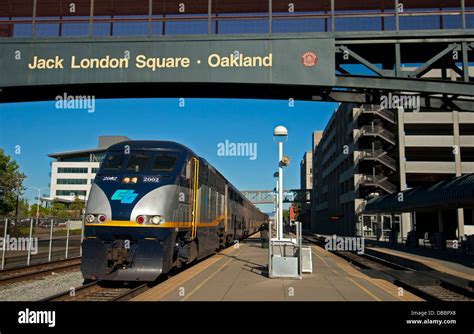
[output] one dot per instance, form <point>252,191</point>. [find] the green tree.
<point>76,207</point>
<point>58,209</point>
<point>11,183</point>
<point>23,208</point>
<point>43,212</point>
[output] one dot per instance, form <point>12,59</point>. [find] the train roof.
<point>149,145</point>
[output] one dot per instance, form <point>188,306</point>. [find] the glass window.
<point>72,181</point>
<point>112,161</point>
<point>164,163</point>
<point>75,170</point>
<point>137,162</point>
<point>71,193</point>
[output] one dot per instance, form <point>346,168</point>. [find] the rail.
<point>379,130</point>
<point>40,19</point>
<point>379,155</point>
<point>379,181</point>
<point>431,285</point>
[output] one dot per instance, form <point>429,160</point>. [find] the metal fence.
<point>29,241</point>
<point>47,18</point>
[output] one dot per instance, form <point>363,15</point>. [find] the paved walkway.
<point>239,274</point>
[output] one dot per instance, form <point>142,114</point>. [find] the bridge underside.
<point>229,90</point>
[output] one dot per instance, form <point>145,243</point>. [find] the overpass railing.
<point>53,18</point>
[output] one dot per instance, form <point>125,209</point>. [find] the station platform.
<point>240,274</point>
<point>422,258</point>
<point>425,259</point>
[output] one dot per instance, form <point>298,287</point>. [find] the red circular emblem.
<point>309,59</point>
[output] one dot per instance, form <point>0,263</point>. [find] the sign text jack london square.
<point>304,61</point>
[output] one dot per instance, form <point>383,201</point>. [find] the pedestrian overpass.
<point>333,50</point>
<point>268,196</point>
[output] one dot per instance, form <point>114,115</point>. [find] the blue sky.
<point>39,128</point>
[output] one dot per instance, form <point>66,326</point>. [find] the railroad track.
<point>100,291</point>
<point>113,291</point>
<point>38,270</point>
<point>429,285</point>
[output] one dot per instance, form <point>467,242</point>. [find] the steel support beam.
<point>406,85</point>
<point>429,64</point>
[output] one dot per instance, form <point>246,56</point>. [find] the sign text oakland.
<point>214,60</point>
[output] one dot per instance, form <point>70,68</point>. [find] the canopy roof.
<point>456,192</point>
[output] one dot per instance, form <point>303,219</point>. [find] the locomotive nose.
<point>141,261</point>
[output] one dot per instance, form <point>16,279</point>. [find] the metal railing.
<point>380,131</point>
<point>379,155</point>
<point>28,241</point>
<point>379,181</point>
<point>150,17</point>
<point>375,109</point>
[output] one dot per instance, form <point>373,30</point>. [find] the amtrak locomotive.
<point>154,206</point>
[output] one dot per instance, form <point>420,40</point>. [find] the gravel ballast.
<point>41,288</point>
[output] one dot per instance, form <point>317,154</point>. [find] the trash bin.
<point>412,240</point>
<point>393,236</point>
<point>470,244</point>
<point>439,240</point>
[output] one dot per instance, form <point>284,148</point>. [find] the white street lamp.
<point>275,175</point>
<point>280,135</point>
<point>38,202</point>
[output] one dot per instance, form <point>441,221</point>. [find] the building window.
<point>73,170</point>
<point>71,193</point>
<point>95,170</point>
<point>92,181</point>
<point>71,181</point>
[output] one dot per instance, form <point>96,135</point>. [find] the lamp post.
<point>280,135</point>
<point>275,175</point>
<point>38,202</point>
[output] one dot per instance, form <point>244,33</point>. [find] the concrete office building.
<point>306,183</point>
<point>368,151</point>
<point>73,173</point>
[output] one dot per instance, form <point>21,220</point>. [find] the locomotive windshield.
<point>137,163</point>
<point>140,162</point>
<point>112,161</point>
<point>164,163</point>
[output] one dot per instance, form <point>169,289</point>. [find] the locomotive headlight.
<point>156,220</point>
<point>90,218</point>
<point>126,180</point>
<point>134,180</point>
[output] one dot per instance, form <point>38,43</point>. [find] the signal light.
<point>141,220</point>
<point>102,218</point>
<point>90,218</point>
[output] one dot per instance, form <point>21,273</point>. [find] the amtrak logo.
<point>124,196</point>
